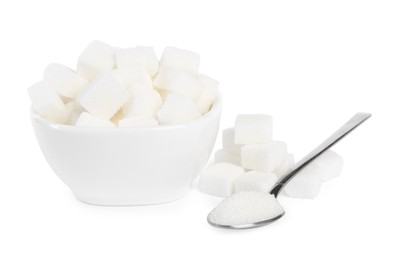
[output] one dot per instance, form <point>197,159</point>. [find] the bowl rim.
<point>213,112</point>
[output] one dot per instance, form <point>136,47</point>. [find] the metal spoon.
<point>353,123</point>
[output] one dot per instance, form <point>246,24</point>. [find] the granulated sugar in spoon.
<point>251,209</point>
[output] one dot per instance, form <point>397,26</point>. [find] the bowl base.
<point>130,201</point>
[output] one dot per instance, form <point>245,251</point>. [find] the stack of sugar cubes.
<point>125,87</point>
<point>251,160</point>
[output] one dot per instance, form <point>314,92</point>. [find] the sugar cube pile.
<point>251,160</point>
<point>125,87</point>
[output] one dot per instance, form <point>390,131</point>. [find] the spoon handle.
<point>347,128</point>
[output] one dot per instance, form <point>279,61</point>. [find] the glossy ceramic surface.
<point>129,166</point>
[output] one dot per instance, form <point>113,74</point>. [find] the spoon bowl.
<point>246,226</point>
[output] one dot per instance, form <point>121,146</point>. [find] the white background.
<point>310,64</point>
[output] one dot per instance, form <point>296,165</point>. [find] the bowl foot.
<point>130,201</point>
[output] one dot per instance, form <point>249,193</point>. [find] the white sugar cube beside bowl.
<point>129,166</point>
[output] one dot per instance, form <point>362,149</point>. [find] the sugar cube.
<point>218,179</point>
<point>97,58</point>
<point>143,102</point>
<point>136,74</point>
<point>180,59</point>
<point>253,129</point>
<point>177,109</point>
<point>117,116</point>
<point>103,97</point>
<point>329,165</point>
<point>285,166</point>
<point>163,93</point>
<point>178,81</point>
<point>263,157</point>
<point>142,55</point>
<point>75,111</point>
<point>208,93</point>
<point>47,103</point>
<point>225,156</point>
<point>64,80</point>
<point>88,120</point>
<point>138,121</point>
<point>228,142</point>
<point>63,98</point>
<point>304,185</point>
<point>255,181</point>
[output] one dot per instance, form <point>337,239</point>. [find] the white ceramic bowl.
<point>129,166</point>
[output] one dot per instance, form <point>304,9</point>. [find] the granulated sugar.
<point>246,207</point>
